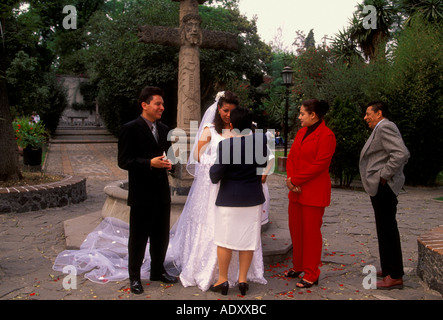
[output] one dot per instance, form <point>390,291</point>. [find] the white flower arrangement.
<point>219,95</point>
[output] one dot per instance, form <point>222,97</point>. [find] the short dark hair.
<point>379,105</point>
<point>241,119</point>
<point>147,93</point>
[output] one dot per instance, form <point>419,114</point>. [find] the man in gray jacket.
<point>382,160</point>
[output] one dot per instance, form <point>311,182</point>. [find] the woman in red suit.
<point>310,190</point>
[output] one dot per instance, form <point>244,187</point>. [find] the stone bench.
<point>430,258</point>
<point>82,118</point>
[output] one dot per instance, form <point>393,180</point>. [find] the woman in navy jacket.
<point>241,160</point>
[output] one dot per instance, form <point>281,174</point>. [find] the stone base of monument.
<point>116,201</point>
<point>77,229</point>
<point>276,240</point>
<point>430,258</point>
<point>180,181</point>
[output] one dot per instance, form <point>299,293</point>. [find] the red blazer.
<point>308,166</point>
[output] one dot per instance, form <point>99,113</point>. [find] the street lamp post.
<point>286,74</point>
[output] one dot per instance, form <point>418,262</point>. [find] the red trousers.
<point>305,227</point>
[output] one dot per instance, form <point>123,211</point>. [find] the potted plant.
<point>31,136</point>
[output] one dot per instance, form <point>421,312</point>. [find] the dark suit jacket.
<point>236,169</point>
<point>136,147</point>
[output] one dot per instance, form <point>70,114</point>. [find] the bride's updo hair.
<point>228,97</point>
<point>319,107</point>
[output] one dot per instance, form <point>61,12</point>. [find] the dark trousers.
<point>148,223</point>
<point>385,209</point>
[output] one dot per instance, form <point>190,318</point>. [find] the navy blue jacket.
<point>239,164</point>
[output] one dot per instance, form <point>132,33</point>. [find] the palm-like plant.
<point>344,48</point>
<point>430,10</point>
<point>372,40</point>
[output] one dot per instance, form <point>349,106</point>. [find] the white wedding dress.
<point>192,247</point>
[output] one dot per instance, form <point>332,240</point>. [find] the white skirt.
<point>238,228</point>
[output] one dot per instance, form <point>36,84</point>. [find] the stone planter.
<point>70,190</point>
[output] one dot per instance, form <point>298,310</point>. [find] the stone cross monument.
<point>190,38</point>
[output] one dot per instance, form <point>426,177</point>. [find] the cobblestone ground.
<point>31,241</point>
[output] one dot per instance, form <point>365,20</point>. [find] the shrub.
<point>350,132</point>
<point>30,89</point>
<point>414,94</point>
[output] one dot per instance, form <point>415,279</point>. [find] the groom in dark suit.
<point>141,146</point>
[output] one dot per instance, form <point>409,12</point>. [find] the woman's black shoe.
<point>293,274</point>
<point>224,287</point>
<point>243,286</point>
<point>305,284</point>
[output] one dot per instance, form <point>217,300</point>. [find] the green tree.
<point>65,43</point>
<point>310,40</point>
<point>350,132</point>
<point>344,48</point>
<point>373,41</point>
<point>9,161</point>
<point>414,93</point>
<point>231,4</point>
<point>273,99</point>
<point>310,68</point>
<point>428,10</point>
<point>35,90</point>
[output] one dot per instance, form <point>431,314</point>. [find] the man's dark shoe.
<point>136,287</point>
<point>388,283</point>
<point>166,278</point>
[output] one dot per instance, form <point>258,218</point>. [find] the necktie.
<point>154,131</point>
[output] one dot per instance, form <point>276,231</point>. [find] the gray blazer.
<point>383,156</point>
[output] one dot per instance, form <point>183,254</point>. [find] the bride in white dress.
<point>103,256</point>
<point>192,245</point>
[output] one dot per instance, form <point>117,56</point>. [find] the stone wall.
<point>430,258</point>
<point>72,86</point>
<point>70,190</point>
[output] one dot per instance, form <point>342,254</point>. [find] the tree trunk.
<point>9,159</point>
